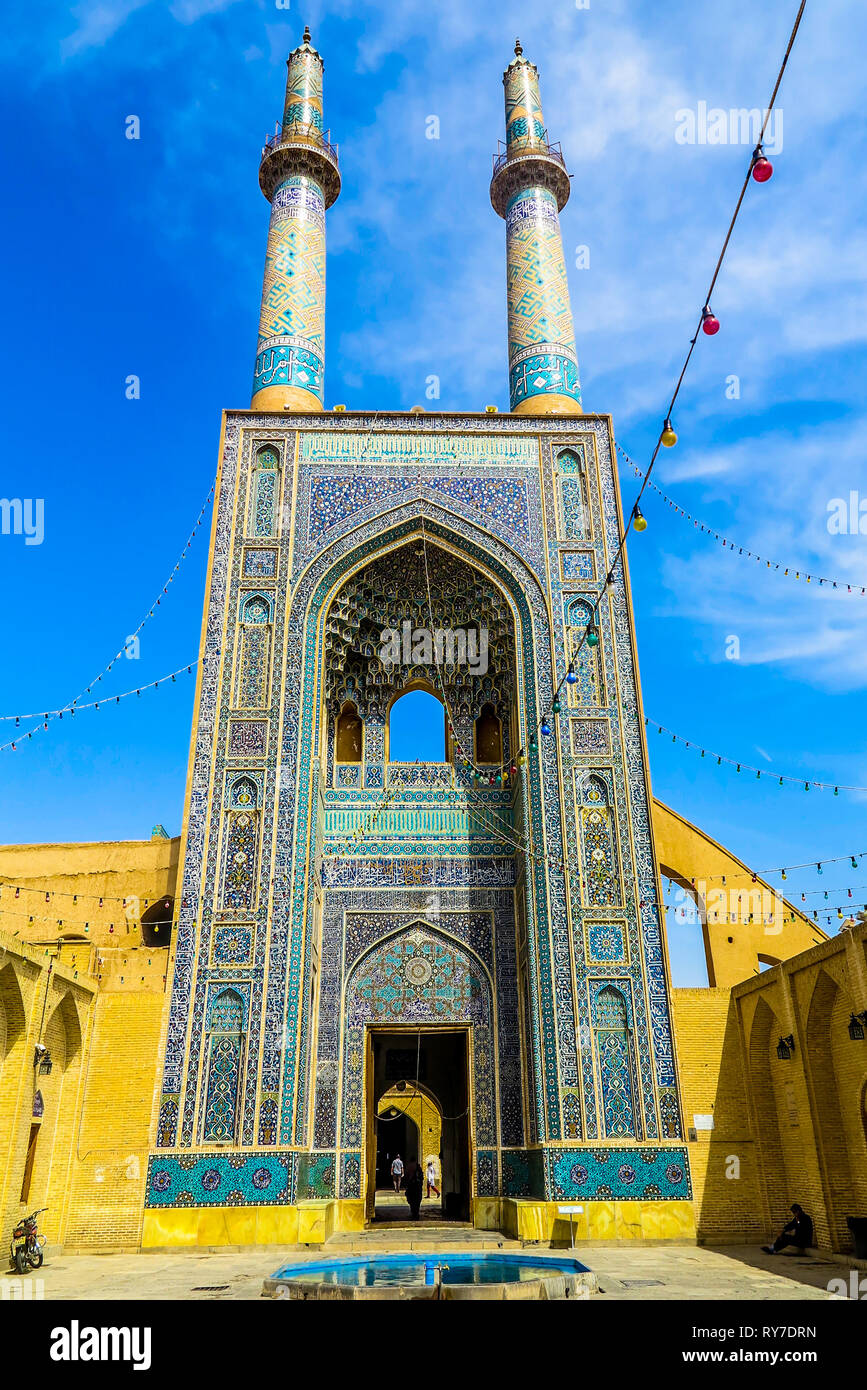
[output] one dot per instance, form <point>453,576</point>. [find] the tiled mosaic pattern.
<point>219,1180</point>
<point>618,1174</point>
<point>545,1074</point>
<point>291,347</point>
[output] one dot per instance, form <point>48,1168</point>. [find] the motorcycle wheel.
<point>20,1258</point>
<point>34,1258</point>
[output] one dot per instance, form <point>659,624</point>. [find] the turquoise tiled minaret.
<point>529,188</point>
<point>300,178</point>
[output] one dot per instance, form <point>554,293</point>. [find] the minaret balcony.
<point>536,163</point>
<point>300,148</point>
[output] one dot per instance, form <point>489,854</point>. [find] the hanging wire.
<point>75,703</point>
<point>789,571</point>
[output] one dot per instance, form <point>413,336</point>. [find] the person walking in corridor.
<point>397,1172</point>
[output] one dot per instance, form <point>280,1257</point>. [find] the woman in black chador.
<point>414,1186</point>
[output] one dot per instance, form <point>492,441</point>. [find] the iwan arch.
<point>341,923</point>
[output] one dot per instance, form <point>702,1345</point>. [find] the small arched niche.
<point>489,737</point>
<point>349,735</point>
<point>156,924</point>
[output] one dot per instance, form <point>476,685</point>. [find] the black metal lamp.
<point>856,1026</point>
<point>42,1060</point>
<point>785,1048</point>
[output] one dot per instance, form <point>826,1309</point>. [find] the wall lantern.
<point>42,1059</point>
<point>856,1026</point>
<point>785,1048</point>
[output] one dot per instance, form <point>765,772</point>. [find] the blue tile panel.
<point>220,1180</point>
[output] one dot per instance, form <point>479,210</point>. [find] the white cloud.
<point>98,21</point>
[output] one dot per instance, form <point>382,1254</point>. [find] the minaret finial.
<point>300,178</point>
<point>305,37</point>
<point>529,188</point>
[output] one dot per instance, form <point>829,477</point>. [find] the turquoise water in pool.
<point>414,1269</point>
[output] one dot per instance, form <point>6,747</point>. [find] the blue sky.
<point>145,257</point>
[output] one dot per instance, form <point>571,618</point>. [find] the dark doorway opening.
<point>418,1098</point>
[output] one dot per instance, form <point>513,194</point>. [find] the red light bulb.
<point>762,169</point>
<point>709,321</point>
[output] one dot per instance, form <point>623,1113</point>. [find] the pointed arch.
<point>266,482</point>
<point>829,1011</point>
<point>349,735</point>
<point>256,609</point>
<point>255,651</point>
<point>601,880</point>
<point>489,736</point>
<point>616,1060</point>
<point>65,1016</point>
<point>426,703</point>
<point>574,511</point>
<point>764,1031</point>
<point>225,1057</point>
<point>243,794</point>
<point>588,687</point>
<point>12,1015</point>
<point>523,595</point>
<point>419,974</point>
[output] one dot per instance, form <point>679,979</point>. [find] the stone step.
<point>418,1238</point>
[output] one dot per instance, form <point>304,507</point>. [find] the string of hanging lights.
<point>788,571</point>
<point>11,892</point>
<point>107,700</point>
<point>740,766</point>
<point>784,870</point>
<point>46,717</point>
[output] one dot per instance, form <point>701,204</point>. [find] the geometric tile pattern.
<point>542,356</point>
<point>292,317</point>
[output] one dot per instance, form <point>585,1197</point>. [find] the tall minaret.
<point>529,187</point>
<point>300,178</point>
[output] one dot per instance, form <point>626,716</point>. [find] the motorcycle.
<point>27,1243</point>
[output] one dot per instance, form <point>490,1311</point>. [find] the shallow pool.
<point>415,1270</point>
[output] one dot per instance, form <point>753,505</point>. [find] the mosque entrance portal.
<point>418,1107</point>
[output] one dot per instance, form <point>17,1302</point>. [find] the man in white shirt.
<point>397,1171</point>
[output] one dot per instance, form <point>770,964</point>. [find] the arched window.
<point>350,736</point>
<point>614,1051</point>
<point>417,729</point>
<point>156,924</point>
<point>489,737</point>
<point>225,1049</point>
<point>265,491</point>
